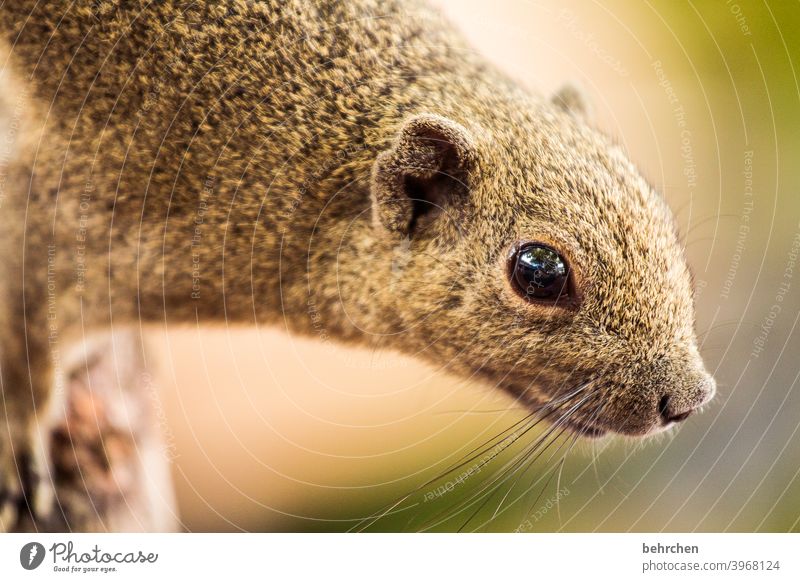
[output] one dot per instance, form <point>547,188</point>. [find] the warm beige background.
<point>263,426</point>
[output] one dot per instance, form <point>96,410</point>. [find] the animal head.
<point>533,254</point>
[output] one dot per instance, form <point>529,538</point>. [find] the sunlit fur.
<point>288,123</point>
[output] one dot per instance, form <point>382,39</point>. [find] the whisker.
<point>564,406</point>
<point>458,507</point>
<point>371,520</point>
<point>573,440</point>
<point>591,421</point>
<point>507,474</point>
<point>549,405</point>
<point>507,471</point>
<point>494,411</point>
<point>497,511</point>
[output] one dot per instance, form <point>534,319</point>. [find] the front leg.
<point>25,479</point>
<point>25,418</point>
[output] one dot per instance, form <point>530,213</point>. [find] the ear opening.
<point>425,204</point>
<point>422,174</point>
<point>429,196</point>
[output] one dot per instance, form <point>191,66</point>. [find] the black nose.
<point>669,414</point>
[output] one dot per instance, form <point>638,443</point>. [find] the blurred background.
<point>265,431</point>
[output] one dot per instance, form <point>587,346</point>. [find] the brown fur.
<point>256,162</point>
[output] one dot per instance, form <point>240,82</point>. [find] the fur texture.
<point>348,169</point>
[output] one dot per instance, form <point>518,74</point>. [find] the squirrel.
<point>347,169</point>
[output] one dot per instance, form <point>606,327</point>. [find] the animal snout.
<point>674,408</point>
<point>668,414</point>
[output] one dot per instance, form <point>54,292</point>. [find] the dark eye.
<point>539,272</point>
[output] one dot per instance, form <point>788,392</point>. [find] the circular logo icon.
<point>31,555</point>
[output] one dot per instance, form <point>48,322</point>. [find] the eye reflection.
<point>539,272</point>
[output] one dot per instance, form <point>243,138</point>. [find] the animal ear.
<point>571,100</point>
<point>424,171</point>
